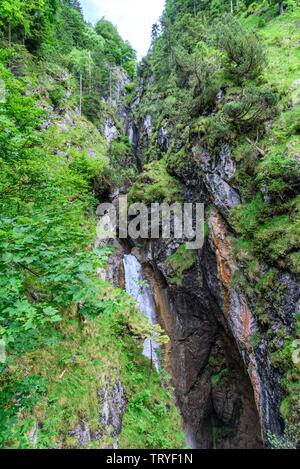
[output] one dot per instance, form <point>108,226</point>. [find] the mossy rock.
<point>155,184</point>
<point>221,379</point>
<point>177,162</point>
<point>180,262</point>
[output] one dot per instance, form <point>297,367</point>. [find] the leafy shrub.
<point>255,107</point>
<point>213,131</point>
<point>280,173</point>
<point>57,95</point>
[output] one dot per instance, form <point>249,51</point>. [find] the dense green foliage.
<point>45,263</point>
<point>244,54</point>
<point>67,377</point>
<point>55,31</point>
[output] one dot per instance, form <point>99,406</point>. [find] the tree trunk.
<point>280,6</point>
<point>231,6</point>
<point>80,98</point>
<point>262,152</point>
<point>90,74</point>
<point>195,12</point>
<point>9,34</point>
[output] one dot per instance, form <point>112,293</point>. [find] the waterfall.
<point>189,438</point>
<point>137,288</point>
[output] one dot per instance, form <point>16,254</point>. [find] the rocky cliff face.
<point>212,387</point>
<point>219,356</point>
<point>228,392</point>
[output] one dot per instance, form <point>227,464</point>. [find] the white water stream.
<point>136,287</point>
<point>139,290</point>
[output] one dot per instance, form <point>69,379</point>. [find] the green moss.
<point>285,358</point>
<point>180,262</point>
<point>254,339</point>
<point>177,162</point>
<point>155,184</point>
<point>221,379</point>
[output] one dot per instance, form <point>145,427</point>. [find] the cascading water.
<point>137,288</point>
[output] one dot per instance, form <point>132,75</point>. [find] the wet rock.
<point>195,321</point>
<point>110,130</point>
<point>62,154</point>
<point>224,401</point>
<point>265,194</point>
<point>225,163</point>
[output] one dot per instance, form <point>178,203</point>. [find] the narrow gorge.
<point>141,342</point>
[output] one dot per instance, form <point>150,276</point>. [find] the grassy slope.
<point>276,238</point>
<point>86,359</point>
